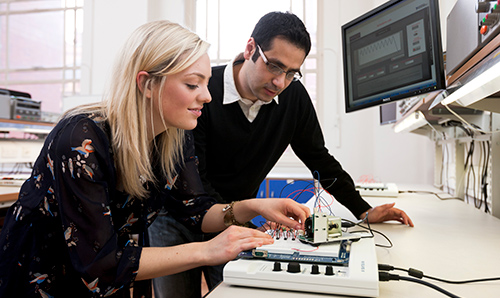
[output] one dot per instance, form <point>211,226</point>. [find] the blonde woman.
<point>107,169</point>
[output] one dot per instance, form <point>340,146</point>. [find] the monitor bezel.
<point>437,53</point>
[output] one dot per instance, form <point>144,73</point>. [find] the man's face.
<point>258,82</point>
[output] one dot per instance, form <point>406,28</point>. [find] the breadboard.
<point>377,189</point>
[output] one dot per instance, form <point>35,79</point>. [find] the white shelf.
<point>25,126</point>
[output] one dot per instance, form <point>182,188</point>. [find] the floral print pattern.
<point>71,232</point>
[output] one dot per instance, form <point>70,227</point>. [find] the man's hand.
<point>387,212</point>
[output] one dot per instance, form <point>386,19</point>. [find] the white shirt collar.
<point>230,92</point>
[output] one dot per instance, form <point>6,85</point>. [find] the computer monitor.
<point>392,52</point>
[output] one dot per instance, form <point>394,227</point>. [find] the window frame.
<point>70,69</point>
<point>314,87</point>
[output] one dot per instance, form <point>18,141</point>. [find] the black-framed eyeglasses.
<point>276,70</point>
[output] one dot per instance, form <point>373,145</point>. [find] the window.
<point>227,25</point>
<point>41,49</point>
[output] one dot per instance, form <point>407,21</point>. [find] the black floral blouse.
<point>69,234</point>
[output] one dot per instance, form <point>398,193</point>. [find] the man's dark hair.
<point>285,25</point>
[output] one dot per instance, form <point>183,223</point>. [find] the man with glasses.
<point>259,107</point>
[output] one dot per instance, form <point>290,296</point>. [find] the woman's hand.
<point>283,211</point>
<point>228,244</point>
<point>160,261</point>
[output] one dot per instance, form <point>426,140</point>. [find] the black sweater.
<point>236,155</point>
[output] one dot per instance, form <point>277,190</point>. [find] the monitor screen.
<point>392,52</point>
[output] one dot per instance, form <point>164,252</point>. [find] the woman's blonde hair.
<point>160,48</point>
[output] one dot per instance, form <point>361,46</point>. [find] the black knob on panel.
<point>329,270</point>
<point>495,8</point>
<point>490,19</point>
<point>315,269</point>
<point>277,266</point>
<point>293,267</point>
<point>482,6</point>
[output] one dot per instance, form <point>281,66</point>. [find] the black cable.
<point>479,193</point>
<point>481,197</point>
<point>478,202</point>
<point>333,181</point>
<point>483,190</point>
<point>290,183</point>
<point>458,124</point>
<point>484,183</point>
<point>455,123</point>
<point>385,276</point>
<point>471,170</point>
<point>470,152</point>
<point>420,274</point>
<point>16,169</point>
<point>428,193</point>
<point>319,198</point>
<point>459,282</point>
<point>371,232</point>
<point>467,171</point>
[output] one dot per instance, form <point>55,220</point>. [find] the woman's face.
<point>183,96</point>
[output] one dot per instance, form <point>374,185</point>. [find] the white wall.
<point>107,24</point>
<point>356,139</point>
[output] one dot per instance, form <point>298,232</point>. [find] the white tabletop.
<point>451,240</point>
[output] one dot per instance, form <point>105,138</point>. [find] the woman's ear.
<point>141,79</point>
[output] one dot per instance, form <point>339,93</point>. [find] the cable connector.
<point>385,276</point>
<point>385,267</point>
<point>347,224</point>
<point>415,273</point>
